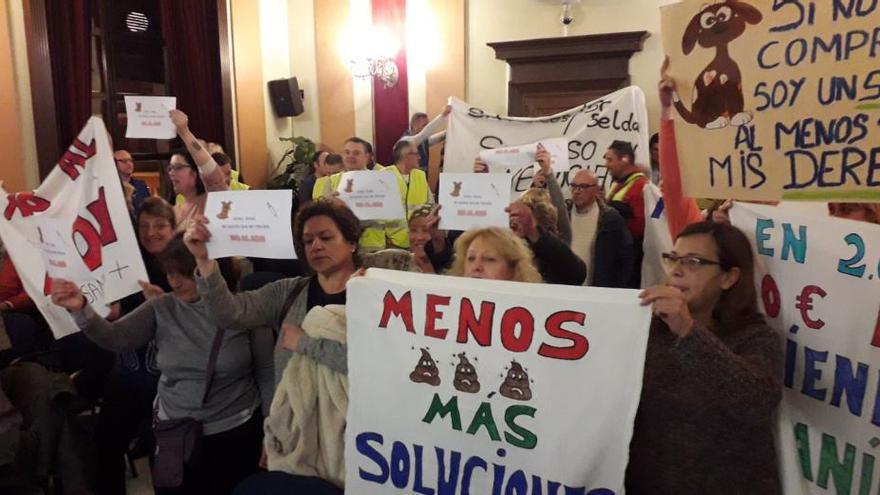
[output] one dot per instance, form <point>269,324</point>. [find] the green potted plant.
<point>296,164</point>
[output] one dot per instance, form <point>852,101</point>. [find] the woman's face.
<point>183,287</point>
<point>419,233</point>
<point>701,283</point>
<point>154,232</point>
<point>327,251</point>
<point>484,261</point>
<point>851,211</point>
<point>183,178</point>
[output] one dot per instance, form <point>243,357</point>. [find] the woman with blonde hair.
<point>547,216</point>
<point>496,254</point>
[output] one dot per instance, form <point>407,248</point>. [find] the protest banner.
<point>589,129</point>
<point>371,195</point>
<point>657,241</point>
<point>461,385</point>
<point>250,223</point>
<point>776,99</point>
<point>471,201</point>
<point>148,117</point>
<point>84,196</point>
<point>818,280</point>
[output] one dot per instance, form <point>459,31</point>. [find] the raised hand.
<point>480,166</point>
<point>179,119</point>
<point>522,221</point>
<point>150,291</point>
<point>67,294</point>
<point>197,236</point>
<point>667,85</point>
<point>542,156</point>
<point>670,305</point>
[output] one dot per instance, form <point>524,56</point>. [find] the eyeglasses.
<point>689,263</point>
<point>582,187</point>
<point>176,168</point>
<point>124,160</point>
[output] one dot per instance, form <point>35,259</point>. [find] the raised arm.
<point>212,176</point>
<point>563,222</point>
<point>434,127</point>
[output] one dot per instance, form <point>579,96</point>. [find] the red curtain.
<point>192,39</point>
<point>391,105</point>
<point>69,23</point>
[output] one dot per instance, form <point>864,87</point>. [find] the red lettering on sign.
<point>579,343</point>
<point>770,296</point>
<point>480,328</point>
<point>98,209</point>
<point>432,315</point>
<point>513,318</point>
<point>25,202</point>
<point>70,159</point>
<point>92,256</point>
<point>401,308</point>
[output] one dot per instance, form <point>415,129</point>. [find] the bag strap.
<point>212,362</point>
<point>291,298</point>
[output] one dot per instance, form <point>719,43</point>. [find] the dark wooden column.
<point>553,74</point>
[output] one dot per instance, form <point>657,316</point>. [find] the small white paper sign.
<point>470,201</point>
<point>148,117</point>
<point>250,223</point>
<point>372,195</point>
<point>513,158</point>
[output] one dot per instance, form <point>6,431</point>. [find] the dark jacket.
<point>556,262</point>
<point>613,255</point>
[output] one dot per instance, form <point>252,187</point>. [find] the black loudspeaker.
<point>286,97</point>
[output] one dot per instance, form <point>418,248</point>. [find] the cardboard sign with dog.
<point>775,99</point>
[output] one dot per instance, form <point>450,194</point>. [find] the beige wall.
<point>19,170</point>
<point>508,20</point>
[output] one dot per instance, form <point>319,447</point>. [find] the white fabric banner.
<point>657,237</point>
<point>819,281</point>
<point>460,385</point>
<point>83,201</point>
<point>589,129</point>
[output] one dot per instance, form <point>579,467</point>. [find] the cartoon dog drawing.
<point>718,97</point>
<point>456,189</point>
<point>349,185</point>
<point>137,107</point>
<point>225,206</point>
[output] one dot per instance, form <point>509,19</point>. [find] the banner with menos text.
<point>461,385</point>
<point>819,283</point>
<point>588,129</point>
<point>75,225</point>
<point>777,99</point>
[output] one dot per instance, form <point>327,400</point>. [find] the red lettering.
<point>25,202</point>
<point>513,318</point>
<point>770,296</point>
<point>401,308</point>
<point>579,343</point>
<point>432,314</point>
<point>98,209</point>
<point>481,328</point>
<point>70,160</point>
<point>92,256</point>
<point>876,340</point>
<point>47,284</point>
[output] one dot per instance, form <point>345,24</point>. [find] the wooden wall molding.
<point>547,72</point>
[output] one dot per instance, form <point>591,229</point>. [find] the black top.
<point>317,296</point>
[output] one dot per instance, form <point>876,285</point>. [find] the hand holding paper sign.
<point>670,305</point>
<point>147,117</point>
<point>67,294</point>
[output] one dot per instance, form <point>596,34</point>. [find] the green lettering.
<point>439,408</point>
<point>484,418</point>
<point>802,440</point>
<point>867,474</point>
<point>842,472</point>
<point>526,439</point>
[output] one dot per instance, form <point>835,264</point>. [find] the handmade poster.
<point>461,385</point>
<point>588,129</point>
<point>372,195</point>
<point>513,158</point>
<point>250,223</point>
<point>818,281</point>
<point>472,200</point>
<point>82,196</point>
<point>776,99</point>
<point>60,255</point>
<point>148,117</point>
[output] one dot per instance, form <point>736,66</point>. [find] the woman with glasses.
<point>191,176</point>
<point>713,374</point>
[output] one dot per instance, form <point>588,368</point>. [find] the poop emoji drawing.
<point>465,376</point>
<point>456,189</point>
<point>349,185</point>
<point>426,370</point>
<point>516,383</point>
<point>225,206</point>
<point>718,95</point>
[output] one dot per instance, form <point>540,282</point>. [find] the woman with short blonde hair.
<point>538,200</point>
<point>494,253</point>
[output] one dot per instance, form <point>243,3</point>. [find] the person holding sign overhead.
<point>713,374</point>
<point>192,178</point>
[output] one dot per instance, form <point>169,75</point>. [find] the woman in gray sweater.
<point>242,385</point>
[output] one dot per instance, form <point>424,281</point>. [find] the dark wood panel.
<point>553,74</point>
<point>42,94</point>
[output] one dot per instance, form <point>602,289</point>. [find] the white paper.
<point>250,223</point>
<point>372,195</point>
<point>59,252</point>
<point>148,117</point>
<point>470,201</point>
<point>513,158</point>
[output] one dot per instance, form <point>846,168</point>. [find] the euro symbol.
<point>805,304</point>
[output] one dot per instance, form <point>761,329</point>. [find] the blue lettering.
<point>399,465</point>
<point>854,384</point>
<point>797,245</point>
<point>469,466</point>
<point>761,236</point>
<point>813,375</point>
<point>364,448</point>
